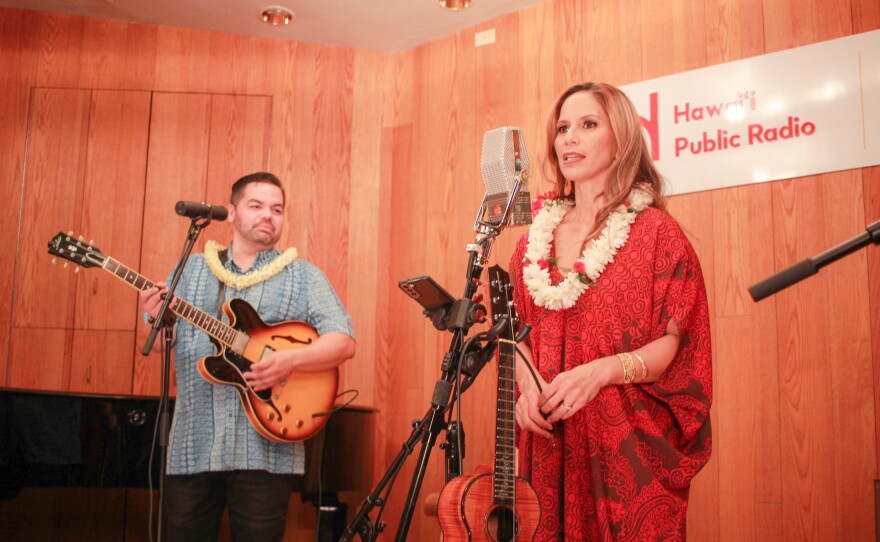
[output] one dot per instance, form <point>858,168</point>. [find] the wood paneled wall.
<point>795,452</point>
<point>380,152</point>
<point>235,105</point>
<point>310,110</point>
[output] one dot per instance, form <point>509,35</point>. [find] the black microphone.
<point>194,209</point>
<point>811,266</point>
<point>783,279</point>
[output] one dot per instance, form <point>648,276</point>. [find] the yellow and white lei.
<point>240,282</point>
<point>596,255</point>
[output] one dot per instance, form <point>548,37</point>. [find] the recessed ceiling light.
<point>454,5</point>
<point>276,15</point>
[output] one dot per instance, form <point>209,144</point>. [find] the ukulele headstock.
<point>501,300</point>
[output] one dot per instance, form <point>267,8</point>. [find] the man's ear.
<point>230,208</point>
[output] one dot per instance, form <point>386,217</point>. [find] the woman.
<point>616,384</point>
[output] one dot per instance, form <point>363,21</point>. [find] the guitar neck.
<point>505,435</point>
<point>226,335</point>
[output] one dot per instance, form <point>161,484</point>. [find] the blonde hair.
<point>632,163</point>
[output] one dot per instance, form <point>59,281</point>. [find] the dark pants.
<point>257,502</point>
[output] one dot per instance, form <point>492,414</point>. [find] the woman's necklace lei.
<point>240,282</point>
<point>597,254</point>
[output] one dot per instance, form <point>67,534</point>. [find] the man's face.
<point>259,214</point>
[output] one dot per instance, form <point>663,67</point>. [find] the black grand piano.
<point>54,441</point>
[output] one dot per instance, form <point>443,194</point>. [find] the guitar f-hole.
<point>292,340</point>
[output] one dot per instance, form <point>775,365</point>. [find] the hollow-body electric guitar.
<point>494,506</point>
<point>294,409</point>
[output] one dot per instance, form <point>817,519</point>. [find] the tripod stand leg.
<point>436,423</point>
<point>361,524</point>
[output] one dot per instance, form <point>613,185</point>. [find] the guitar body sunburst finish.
<point>295,408</point>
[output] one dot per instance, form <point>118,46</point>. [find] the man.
<point>216,459</point>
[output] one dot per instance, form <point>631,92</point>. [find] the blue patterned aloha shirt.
<point>211,431</point>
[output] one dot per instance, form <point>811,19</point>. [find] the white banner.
<point>798,112</point>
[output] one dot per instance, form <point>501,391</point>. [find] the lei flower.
<point>538,203</point>
<point>596,255</point>
<point>240,282</point>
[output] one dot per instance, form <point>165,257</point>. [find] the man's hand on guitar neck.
<point>151,300</point>
<point>327,352</point>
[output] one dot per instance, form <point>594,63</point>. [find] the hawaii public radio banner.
<point>797,112</point>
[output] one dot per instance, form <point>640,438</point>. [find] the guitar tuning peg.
<point>65,265</point>
<point>54,260</point>
<point>70,232</point>
<point>80,238</point>
<point>91,241</point>
<point>76,269</point>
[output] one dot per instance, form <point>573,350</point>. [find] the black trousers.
<point>257,502</point>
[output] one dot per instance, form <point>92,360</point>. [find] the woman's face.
<point>585,146</point>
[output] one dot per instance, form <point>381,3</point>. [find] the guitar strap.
<point>221,291</point>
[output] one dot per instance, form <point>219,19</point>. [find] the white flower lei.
<point>240,282</point>
<point>597,254</point>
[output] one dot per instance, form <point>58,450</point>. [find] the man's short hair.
<point>259,177</point>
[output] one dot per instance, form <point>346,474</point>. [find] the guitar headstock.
<point>501,299</point>
<point>74,249</point>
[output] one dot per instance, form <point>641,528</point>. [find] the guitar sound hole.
<point>502,524</point>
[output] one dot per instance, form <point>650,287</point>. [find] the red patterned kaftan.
<point>622,465</point>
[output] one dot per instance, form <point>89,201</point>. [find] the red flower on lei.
<point>538,203</point>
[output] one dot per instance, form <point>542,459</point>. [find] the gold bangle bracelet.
<point>644,367</point>
<point>629,372</point>
<point>631,367</point>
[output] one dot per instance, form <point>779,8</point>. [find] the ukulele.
<point>494,506</point>
<point>292,410</point>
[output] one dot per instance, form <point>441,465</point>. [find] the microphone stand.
<point>460,316</point>
<point>163,321</point>
<point>811,266</point>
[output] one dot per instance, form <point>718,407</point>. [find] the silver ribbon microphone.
<point>505,164</point>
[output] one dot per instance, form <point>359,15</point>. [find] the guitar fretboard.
<point>505,436</point>
<point>227,335</point>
